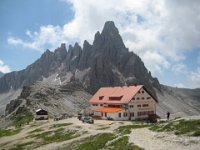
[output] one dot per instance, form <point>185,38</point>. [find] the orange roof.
<point>127,93</point>
<point>108,109</point>
<point>116,95</point>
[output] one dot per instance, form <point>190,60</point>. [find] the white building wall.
<point>41,116</point>
<point>96,105</point>
<point>114,116</point>
<point>141,98</point>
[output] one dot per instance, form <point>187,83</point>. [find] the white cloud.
<point>179,68</point>
<point>47,37</point>
<point>155,62</point>
<point>158,31</point>
<point>195,78</point>
<point>4,68</point>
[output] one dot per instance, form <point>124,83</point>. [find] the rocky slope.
<point>57,100</point>
<point>178,101</point>
<point>106,62</point>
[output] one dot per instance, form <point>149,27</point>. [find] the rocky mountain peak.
<point>46,54</point>
<point>61,52</point>
<point>105,63</point>
<point>109,29</point>
<point>86,43</point>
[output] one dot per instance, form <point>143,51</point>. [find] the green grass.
<point>100,141</point>
<point>190,127</point>
<point>36,130</point>
<point>103,128</point>
<point>122,144</point>
<point>22,120</point>
<point>22,146</point>
<point>9,132</point>
<point>127,129</point>
<point>58,135</point>
<point>60,125</point>
<point>95,142</point>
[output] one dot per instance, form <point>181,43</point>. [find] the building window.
<point>133,98</point>
<point>102,114</point>
<point>101,104</point>
<point>101,97</point>
<point>105,114</point>
<point>125,114</point>
<point>138,98</point>
<point>131,106</point>
<point>132,114</point>
<point>148,97</point>
<point>145,105</point>
<point>138,105</point>
<point>138,91</point>
<point>94,104</point>
<point>119,115</point>
<point>142,91</point>
<point>142,98</point>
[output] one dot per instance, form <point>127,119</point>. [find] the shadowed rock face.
<point>109,61</point>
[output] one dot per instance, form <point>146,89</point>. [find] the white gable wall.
<point>114,115</point>
<point>141,98</point>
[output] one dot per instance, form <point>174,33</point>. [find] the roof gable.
<point>115,94</point>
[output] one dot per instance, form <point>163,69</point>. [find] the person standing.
<point>168,115</point>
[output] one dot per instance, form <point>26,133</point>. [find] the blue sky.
<point>17,17</point>
<point>165,34</point>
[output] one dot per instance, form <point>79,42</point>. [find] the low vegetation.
<point>96,142</point>
<point>22,146</point>
<point>55,136</point>
<point>9,132</point>
<point>104,141</point>
<point>179,127</point>
<point>122,144</point>
<point>91,143</point>
<point>127,129</point>
<point>36,130</point>
<point>103,128</point>
<point>22,120</point>
<point>60,125</point>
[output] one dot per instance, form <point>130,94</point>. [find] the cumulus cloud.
<point>179,68</point>
<point>195,78</point>
<point>158,31</point>
<point>4,68</point>
<point>153,61</point>
<point>47,37</point>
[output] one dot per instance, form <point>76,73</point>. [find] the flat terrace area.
<point>73,134</point>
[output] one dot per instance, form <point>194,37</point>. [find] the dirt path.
<point>91,130</point>
<point>142,137</point>
<point>150,140</point>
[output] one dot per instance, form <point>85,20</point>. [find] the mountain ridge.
<point>106,62</point>
<point>108,48</point>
